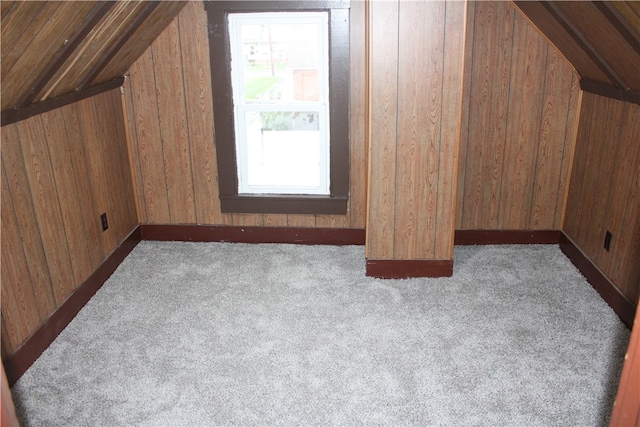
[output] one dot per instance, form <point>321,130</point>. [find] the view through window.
<point>280,83</point>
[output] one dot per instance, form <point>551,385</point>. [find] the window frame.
<point>230,200</point>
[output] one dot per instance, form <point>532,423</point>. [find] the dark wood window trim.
<point>232,202</point>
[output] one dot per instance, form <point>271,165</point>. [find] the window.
<point>281,105</point>
<point>280,85</point>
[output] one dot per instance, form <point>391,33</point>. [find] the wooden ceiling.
<point>53,48</point>
<point>601,39</point>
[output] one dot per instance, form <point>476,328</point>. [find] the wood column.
<point>416,59</point>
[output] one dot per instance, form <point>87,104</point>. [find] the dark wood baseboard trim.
<point>607,290</point>
<point>241,234</point>
<point>406,268</point>
<point>18,363</point>
<point>507,237</point>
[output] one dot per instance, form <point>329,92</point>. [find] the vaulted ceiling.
<point>53,48</point>
<point>601,39</point>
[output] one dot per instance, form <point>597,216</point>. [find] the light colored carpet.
<point>235,334</point>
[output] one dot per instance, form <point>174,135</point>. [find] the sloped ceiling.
<point>53,48</point>
<point>601,39</point>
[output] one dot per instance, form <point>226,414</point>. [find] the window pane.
<point>284,153</point>
<point>280,93</point>
<point>281,62</point>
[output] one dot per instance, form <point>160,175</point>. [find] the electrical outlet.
<point>607,240</point>
<point>105,224</point>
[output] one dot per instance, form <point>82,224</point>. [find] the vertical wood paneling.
<point>548,175</point>
<point>518,126</point>
<point>604,192</point>
<point>491,46</point>
<point>173,126</point>
<point>173,141</point>
<point>20,310</point>
<point>571,132</point>
<point>194,46</point>
<point>60,171</point>
<point>147,142</point>
<point>76,68</point>
<point>384,127</point>
<point>523,126</point>
<point>116,164</point>
<point>21,198</point>
<point>417,51</point>
<point>466,107</point>
<point>84,193</point>
<point>47,206</point>
<point>134,152</point>
<point>357,198</point>
<point>97,174</point>
<point>67,192</point>
<point>450,132</point>
<point>418,121</point>
<point>15,43</point>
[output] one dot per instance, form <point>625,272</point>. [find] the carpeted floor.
<point>195,334</point>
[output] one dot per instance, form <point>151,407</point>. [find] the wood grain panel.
<point>418,119</point>
<point>357,199</point>
<point>158,193</point>
<point>604,190</point>
<point>67,193</point>
<point>605,156</point>
<point>452,93</point>
<point>47,206</point>
<point>134,153</point>
<point>571,133</point>
<point>61,170</point>
<point>142,38</point>
<point>194,47</point>
<point>19,305</point>
<point>147,142</point>
<point>562,40</point>
<point>87,113</point>
<point>549,171</point>
<point>384,127</point>
<point>465,116</point>
<point>51,29</point>
<point>518,125</point>
<point>116,164</point>
<point>20,28</point>
<point>21,197</point>
<point>630,11</point>
<point>417,52</point>
<point>490,70</point>
<point>84,190</point>
<point>173,126</point>
<point>301,220</point>
<point>523,126</point>
<point>80,63</point>
<point>605,38</point>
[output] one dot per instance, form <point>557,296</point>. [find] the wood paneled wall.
<point>604,192</point>
<point>417,53</point>
<point>171,121</point>
<point>518,125</point>
<point>60,171</point>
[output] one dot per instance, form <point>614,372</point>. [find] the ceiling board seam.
<point>88,24</point>
<point>582,41</point>
<point>620,23</point>
<point>120,42</point>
